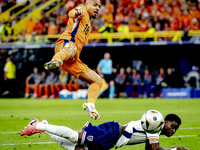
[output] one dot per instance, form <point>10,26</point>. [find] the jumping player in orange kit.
<point>68,49</point>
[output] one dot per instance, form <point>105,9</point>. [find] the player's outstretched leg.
<point>90,109</point>
<point>53,64</point>
<point>93,92</point>
<point>31,129</point>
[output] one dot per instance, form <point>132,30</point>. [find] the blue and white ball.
<point>152,121</point>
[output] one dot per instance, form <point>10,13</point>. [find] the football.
<point>152,121</point>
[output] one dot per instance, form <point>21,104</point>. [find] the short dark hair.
<point>173,117</point>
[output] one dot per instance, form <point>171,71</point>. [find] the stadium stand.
<point>29,28</point>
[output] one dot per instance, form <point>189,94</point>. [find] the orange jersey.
<point>77,30</point>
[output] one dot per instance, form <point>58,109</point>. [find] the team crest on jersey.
<point>90,138</point>
<point>74,46</point>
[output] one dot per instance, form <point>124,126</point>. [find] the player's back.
<point>78,30</point>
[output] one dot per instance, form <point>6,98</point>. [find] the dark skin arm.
<point>155,146</point>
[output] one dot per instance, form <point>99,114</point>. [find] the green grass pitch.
<point>16,113</point>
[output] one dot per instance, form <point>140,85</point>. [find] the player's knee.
<point>112,83</point>
<point>99,80</point>
<point>71,51</point>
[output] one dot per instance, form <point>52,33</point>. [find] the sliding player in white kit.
<point>106,135</point>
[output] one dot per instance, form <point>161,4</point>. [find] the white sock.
<point>91,104</point>
<point>65,143</point>
<point>59,130</point>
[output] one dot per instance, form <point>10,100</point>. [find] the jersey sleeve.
<point>72,12</point>
<point>100,63</point>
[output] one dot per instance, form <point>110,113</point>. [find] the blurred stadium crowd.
<point>136,80</point>
<point>123,16</point>
<point>114,16</point>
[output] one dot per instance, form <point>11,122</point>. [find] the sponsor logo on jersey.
<point>90,138</point>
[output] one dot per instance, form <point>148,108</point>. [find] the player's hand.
<point>182,148</point>
<point>79,14</point>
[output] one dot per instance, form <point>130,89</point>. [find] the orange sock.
<point>63,55</point>
<point>93,92</point>
<point>52,90</point>
<point>40,91</point>
<point>69,87</point>
<point>35,90</point>
<point>64,86</point>
<point>75,86</point>
<point>57,89</point>
<point>46,91</point>
<point>27,89</point>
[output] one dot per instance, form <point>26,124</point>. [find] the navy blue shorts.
<point>101,137</point>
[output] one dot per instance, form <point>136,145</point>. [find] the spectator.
<point>43,40</point>
<point>118,18</point>
<point>156,90</point>
<point>9,39</point>
<point>52,28</point>
<point>19,40</point>
<point>62,18</point>
<point>1,40</point>
<point>192,78</point>
<point>29,25</point>
<point>174,23</point>
<point>61,8</point>
<point>32,82</point>
<point>41,81</point>
<point>169,79</point>
<point>134,88</point>
<point>105,70</point>
<point>185,20</point>
<point>120,81</point>
<point>143,24</point>
<point>32,41</point>
<point>82,84</point>
<point>44,19</point>
<point>107,17</point>
<point>6,31</point>
<point>123,28</point>
<point>73,84</point>
<point>194,24</point>
<point>95,28</point>
<point>128,76</point>
<point>146,83</point>
<point>63,78</point>
<point>52,83</point>
<point>9,78</point>
<point>109,6</point>
<point>38,27</point>
<point>69,5</point>
<point>148,34</point>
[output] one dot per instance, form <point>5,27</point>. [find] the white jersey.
<point>135,134</point>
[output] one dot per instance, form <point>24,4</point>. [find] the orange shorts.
<point>74,66</point>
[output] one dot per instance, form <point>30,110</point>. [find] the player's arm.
<point>27,80</point>
<point>76,13</point>
<point>155,146</point>
<point>5,72</point>
<point>99,69</point>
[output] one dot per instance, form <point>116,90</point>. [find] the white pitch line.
<point>55,142</point>
<point>192,128</point>
<point>28,143</point>
<point>180,136</point>
<point>9,132</point>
